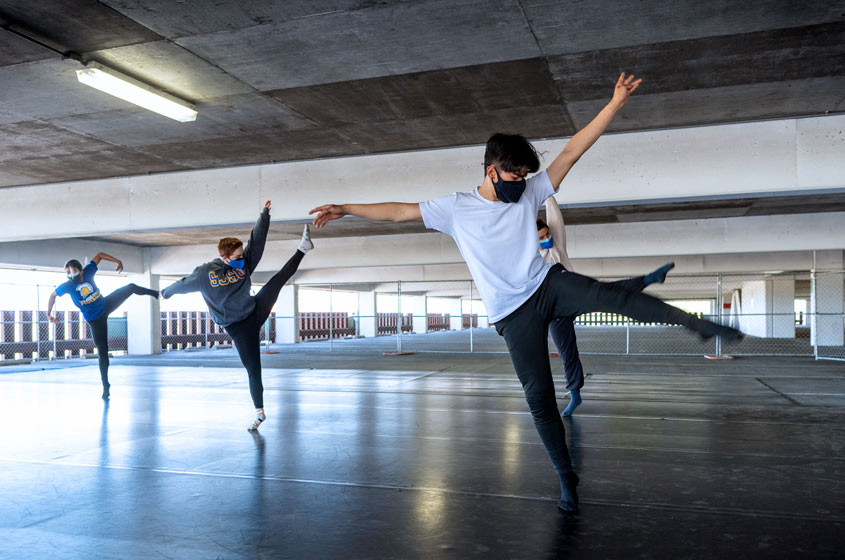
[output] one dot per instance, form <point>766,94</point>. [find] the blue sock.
<point>659,275</point>
<point>574,401</point>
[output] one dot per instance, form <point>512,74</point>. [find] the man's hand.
<point>267,205</point>
<point>52,318</point>
<point>624,88</point>
<point>119,265</point>
<point>327,213</point>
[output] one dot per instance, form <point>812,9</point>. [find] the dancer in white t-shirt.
<point>552,236</point>
<point>494,226</point>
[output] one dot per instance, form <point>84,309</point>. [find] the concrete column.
<point>455,314</point>
<point>768,308</point>
<point>782,321</point>
<point>827,300</point>
<point>418,305</point>
<point>287,309</point>
<point>367,313</point>
<point>143,313</point>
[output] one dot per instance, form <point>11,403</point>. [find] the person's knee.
<point>543,407</point>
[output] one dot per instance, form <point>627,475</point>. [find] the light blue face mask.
<point>73,276</point>
<point>547,243</point>
<point>239,264</point>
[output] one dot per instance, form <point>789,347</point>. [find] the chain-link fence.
<point>827,315</point>
<point>29,335</point>
<point>181,330</point>
<point>776,310</point>
<point>785,314</point>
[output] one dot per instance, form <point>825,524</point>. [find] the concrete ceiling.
<point>350,227</point>
<point>300,79</point>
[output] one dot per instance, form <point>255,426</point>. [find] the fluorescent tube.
<point>131,90</point>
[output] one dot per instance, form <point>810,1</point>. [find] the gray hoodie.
<point>226,289</point>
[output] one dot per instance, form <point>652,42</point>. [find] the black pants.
<point>245,333</point>
<point>563,335</point>
<point>100,325</point>
<point>567,294</point>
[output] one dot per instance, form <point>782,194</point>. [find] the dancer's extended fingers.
<point>621,79</point>
<point>635,85</point>
<point>319,209</point>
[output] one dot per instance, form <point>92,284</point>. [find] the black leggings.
<point>567,294</point>
<point>245,333</point>
<point>563,335</point>
<point>100,325</point>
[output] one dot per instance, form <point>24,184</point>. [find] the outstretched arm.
<point>382,211</point>
<point>50,303</point>
<point>186,285</point>
<point>103,256</point>
<point>588,135</point>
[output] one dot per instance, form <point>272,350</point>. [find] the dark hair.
<point>73,263</point>
<point>510,153</point>
<point>541,224</point>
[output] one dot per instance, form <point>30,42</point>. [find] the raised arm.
<point>588,135</point>
<point>103,256</point>
<point>554,219</point>
<point>257,239</point>
<point>382,211</point>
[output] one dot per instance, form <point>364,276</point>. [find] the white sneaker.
<point>305,243</point>
<point>257,422</point>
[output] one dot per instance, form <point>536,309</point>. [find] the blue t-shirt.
<point>85,295</point>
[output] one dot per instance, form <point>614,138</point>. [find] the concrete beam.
<point>783,156</point>
<point>719,236</point>
<point>54,253</point>
<point>737,263</point>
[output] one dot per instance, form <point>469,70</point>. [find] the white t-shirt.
<point>498,240</point>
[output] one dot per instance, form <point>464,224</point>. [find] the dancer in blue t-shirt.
<point>95,307</point>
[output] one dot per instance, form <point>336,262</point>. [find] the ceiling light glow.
<point>129,89</point>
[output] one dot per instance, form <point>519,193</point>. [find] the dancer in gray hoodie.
<point>225,286</point>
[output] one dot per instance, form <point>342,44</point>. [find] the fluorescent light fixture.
<point>131,90</point>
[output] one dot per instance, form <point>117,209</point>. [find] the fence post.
<point>719,312</point>
<point>55,345</point>
<point>331,317</point>
<point>814,301</point>
<point>470,317</point>
<point>627,335</point>
<point>399,316</point>
<point>38,324</point>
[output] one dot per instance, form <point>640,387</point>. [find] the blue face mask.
<point>547,243</point>
<point>239,264</point>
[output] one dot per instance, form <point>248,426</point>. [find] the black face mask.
<point>508,191</point>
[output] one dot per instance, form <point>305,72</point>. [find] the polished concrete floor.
<point>423,456</point>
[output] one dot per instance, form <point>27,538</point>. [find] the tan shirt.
<point>557,254</point>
